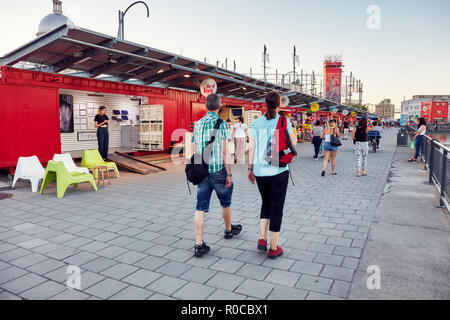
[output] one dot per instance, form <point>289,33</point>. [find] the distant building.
<point>385,109</point>
<point>412,109</point>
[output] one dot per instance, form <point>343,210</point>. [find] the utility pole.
<point>350,87</point>
<point>226,63</point>
<point>295,60</point>
<point>234,65</point>
<point>121,32</point>
<point>265,61</point>
<point>301,80</point>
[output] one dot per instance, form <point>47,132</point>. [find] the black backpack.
<point>197,168</point>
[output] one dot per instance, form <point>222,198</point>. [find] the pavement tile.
<point>255,288</point>
<point>194,291</point>
<point>317,284</point>
<point>119,271</point>
<point>254,271</point>
<point>198,274</point>
<point>166,285</point>
<point>106,288</point>
<point>132,293</point>
<point>225,281</point>
<point>227,265</point>
<point>142,278</point>
<point>286,293</point>
<point>284,278</point>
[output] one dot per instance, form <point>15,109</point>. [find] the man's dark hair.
<point>317,123</point>
<point>213,102</point>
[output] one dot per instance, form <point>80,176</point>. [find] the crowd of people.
<point>269,140</point>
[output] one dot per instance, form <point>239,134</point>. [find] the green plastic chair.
<point>92,158</point>
<point>56,171</point>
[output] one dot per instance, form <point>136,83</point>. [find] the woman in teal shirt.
<point>272,181</point>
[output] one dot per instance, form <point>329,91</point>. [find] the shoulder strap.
<point>215,131</point>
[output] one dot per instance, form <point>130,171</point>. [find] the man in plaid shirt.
<point>219,178</point>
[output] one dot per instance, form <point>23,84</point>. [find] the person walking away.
<point>317,140</point>
<point>231,146</point>
<point>361,141</point>
<point>272,181</point>
<point>240,137</point>
<point>330,150</point>
<point>101,123</point>
<point>219,177</point>
<point>377,127</point>
<point>346,128</point>
<point>418,138</point>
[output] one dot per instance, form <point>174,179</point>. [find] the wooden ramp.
<point>133,164</point>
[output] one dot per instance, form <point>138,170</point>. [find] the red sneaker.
<point>273,254</point>
<point>262,245</point>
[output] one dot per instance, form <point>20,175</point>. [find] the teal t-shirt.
<point>262,131</point>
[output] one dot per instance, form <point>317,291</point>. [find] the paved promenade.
<point>134,239</point>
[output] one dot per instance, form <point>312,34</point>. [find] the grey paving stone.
<point>28,260</point>
<point>338,273</point>
<point>307,268</point>
<point>225,281</point>
<point>142,278</point>
<point>132,293</point>
<point>317,284</point>
<point>254,257</point>
<point>174,268</point>
<point>285,293</point>
<point>106,288</point>
<point>348,252</point>
<point>23,283</point>
<point>351,263</point>
<point>11,273</point>
<point>99,264</point>
<point>46,266</point>
<point>70,295</point>
<point>49,247</point>
<point>279,263</point>
<point>314,238</point>
<point>320,296</point>
<point>222,295</point>
<point>32,243</point>
<point>131,257</point>
<point>303,255</point>
<point>119,271</point>
<point>229,253</point>
<point>158,296</point>
<point>80,258</point>
<point>227,265</point>
<point>151,263</point>
<point>179,255</point>
<point>254,288</point>
<point>284,278</point>
<point>338,241</point>
<point>329,259</point>
<point>62,253</point>
<point>296,244</point>
<point>14,254</point>
<point>111,252</point>
<point>194,291</point>
<point>340,289</point>
<point>254,271</point>
<point>166,285</point>
<point>321,248</point>
<point>198,274</point>
<point>8,296</point>
<point>43,291</point>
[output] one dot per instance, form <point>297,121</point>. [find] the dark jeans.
<point>273,193</point>
<point>317,141</point>
<point>418,141</point>
<point>103,141</point>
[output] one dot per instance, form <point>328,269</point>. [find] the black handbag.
<point>334,141</point>
<point>197,168</point>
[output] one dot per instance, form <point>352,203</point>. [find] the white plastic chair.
<point>69,163</point>
<point>29,169</point>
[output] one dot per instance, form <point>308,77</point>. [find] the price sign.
<point>315,107</point>
<point>207,87</point>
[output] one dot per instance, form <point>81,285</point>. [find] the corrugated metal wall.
<point>69,141</point>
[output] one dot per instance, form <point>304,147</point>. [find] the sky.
<point>404,53</point>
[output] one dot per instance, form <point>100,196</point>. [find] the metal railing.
<point>436,158</point>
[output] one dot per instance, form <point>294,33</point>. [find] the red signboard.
<point>332,80</point>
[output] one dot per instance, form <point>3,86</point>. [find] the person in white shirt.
<point>240,138</point>
<point>376,127</point>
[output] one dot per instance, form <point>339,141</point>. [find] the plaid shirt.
<point>202,134</point>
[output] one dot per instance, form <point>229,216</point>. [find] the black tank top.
<point>361,135</point>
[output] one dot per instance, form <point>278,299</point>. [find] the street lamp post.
<point>121,33</point>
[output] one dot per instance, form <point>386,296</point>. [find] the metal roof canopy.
<point>95,55</point>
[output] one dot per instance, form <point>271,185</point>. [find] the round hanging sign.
<point>208,86</point>
<point>345,112</point>
<point>315,107</point>
<point>353,114</point>
<point>333,110</point>
<point>284,101</point>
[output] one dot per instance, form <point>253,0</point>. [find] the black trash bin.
<point>402,137</point>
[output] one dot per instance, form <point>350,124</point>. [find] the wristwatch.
<point>229,175</point>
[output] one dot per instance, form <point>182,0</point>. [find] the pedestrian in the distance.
<point>330,150</point>
<point>272,180</point>
<point>240,137</point>
<point>101,123</point>
<point>317,140</point>
<point>418,138</point>
<point>346,128</point>
<point>361,141</point>
<point>219,178</point>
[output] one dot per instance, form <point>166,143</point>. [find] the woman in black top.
<point>101,122</point>
<point>360,138</point>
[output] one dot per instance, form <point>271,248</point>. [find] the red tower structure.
<point>332,74</point>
